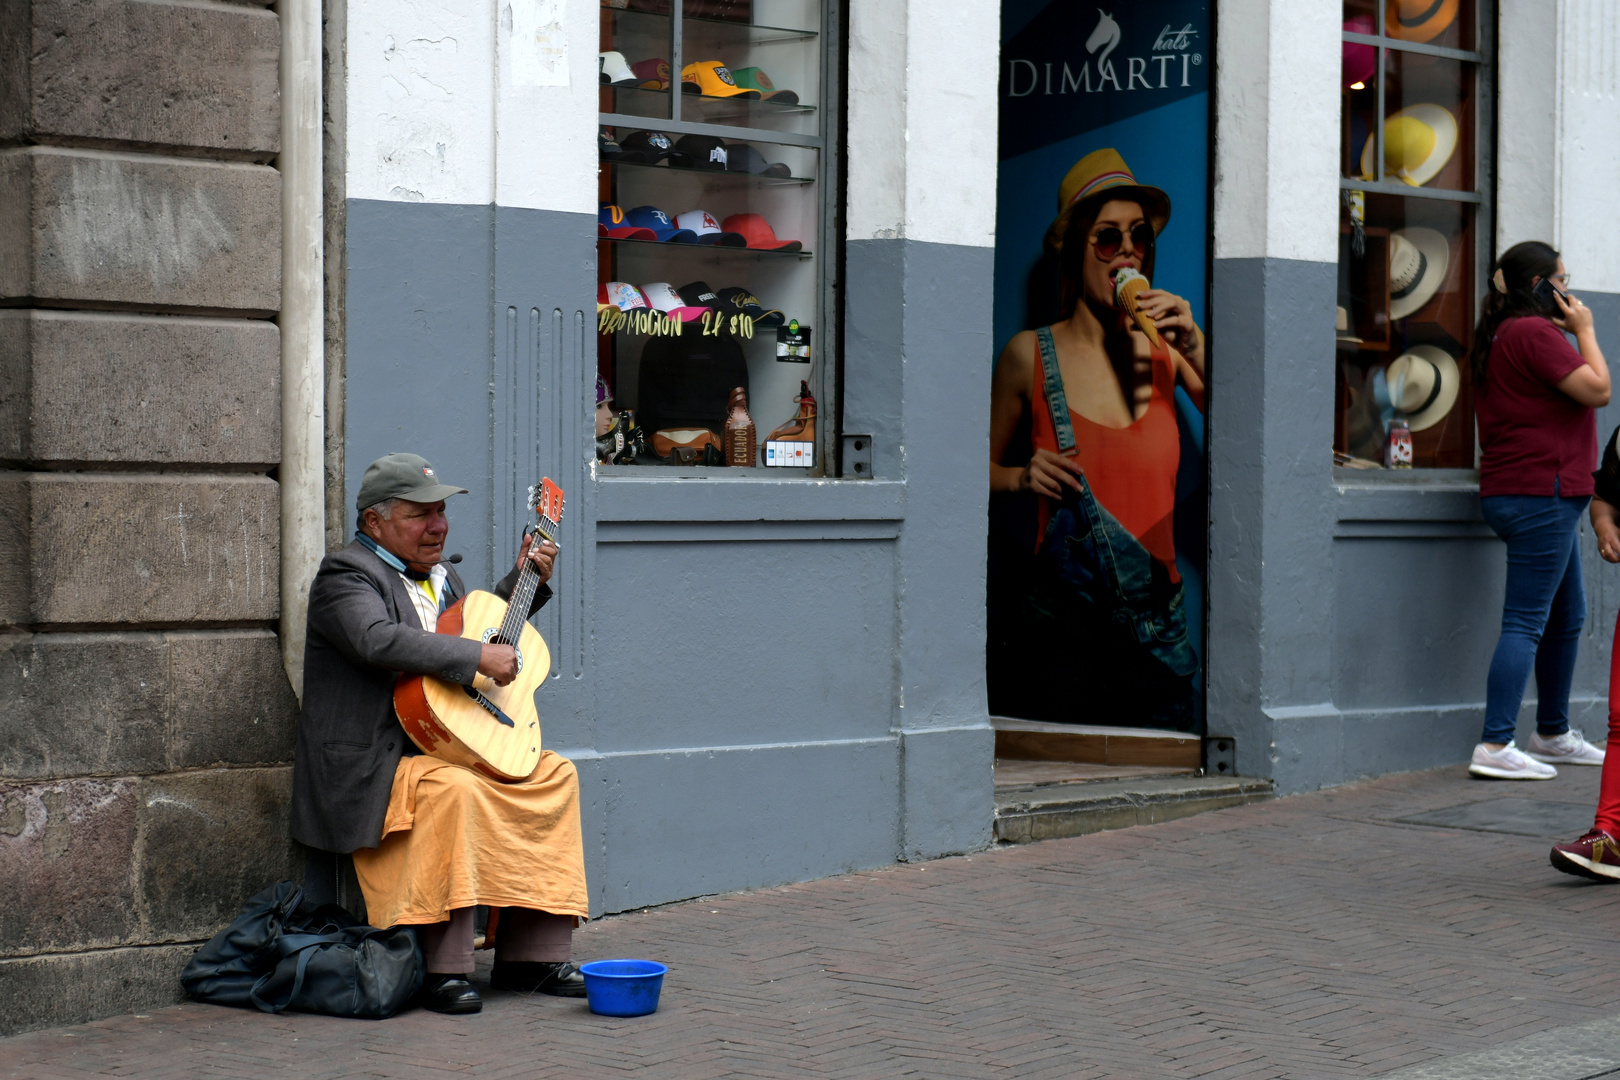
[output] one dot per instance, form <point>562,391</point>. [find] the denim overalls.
<point>1090,569</point>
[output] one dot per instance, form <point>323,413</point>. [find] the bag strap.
<point>304,946</point>
<point>1052,383</point>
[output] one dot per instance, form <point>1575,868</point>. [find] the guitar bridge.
<point>489,706</point>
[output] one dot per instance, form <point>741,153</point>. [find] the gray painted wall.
<point>1352,615</point>
<point>760,680</point>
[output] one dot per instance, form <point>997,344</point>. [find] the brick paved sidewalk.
<point>1311,937</point>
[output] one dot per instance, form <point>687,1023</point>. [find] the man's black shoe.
<point>528,976</point>
<point>450,994</point>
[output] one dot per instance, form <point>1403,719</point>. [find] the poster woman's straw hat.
<point>1099,176</point>
<point>1418,142</point>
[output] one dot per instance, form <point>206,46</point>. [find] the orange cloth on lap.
<point>454,838</point>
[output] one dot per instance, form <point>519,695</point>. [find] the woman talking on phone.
<point>1535,397</point>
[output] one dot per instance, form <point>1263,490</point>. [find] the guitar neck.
<point>528,583</point>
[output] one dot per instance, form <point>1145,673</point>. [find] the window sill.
<point>1418,503</point>
<point>653,496</point>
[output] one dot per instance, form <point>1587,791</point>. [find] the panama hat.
<point>1418,141</point>
<point>1419,20</point>
<point>1423,384</point>
<point>1104,173</point>
<point>1418,260</point>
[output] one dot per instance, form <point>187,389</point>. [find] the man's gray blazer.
<point>363,631</point>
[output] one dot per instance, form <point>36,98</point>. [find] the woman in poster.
<point>1083,418</point>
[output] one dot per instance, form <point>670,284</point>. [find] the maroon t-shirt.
<point>1530,432</point>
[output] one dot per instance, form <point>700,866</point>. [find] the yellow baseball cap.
<point>713,80</point>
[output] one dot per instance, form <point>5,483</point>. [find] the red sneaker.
<point>1595,855</point>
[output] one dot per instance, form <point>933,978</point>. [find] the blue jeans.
<point>1542,613</point>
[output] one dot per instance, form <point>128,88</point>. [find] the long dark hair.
<point>1519,266</point>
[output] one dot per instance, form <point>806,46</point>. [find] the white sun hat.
<point>1418,260</point>
<point>1423,385</point>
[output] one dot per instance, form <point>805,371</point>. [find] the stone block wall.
<point>146,721</point>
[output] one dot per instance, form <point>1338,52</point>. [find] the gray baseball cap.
<point>402,476</point>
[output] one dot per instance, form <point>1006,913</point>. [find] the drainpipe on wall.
<point>303,484</point>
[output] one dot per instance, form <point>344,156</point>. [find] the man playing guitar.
<point>430,840</point>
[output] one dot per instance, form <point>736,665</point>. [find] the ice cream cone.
<point>1128,286</point>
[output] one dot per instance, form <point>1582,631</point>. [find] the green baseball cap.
<point>402,476</point>
<point>752,78</point>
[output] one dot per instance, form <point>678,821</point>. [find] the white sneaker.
<point>1570,748</point>
<point>1508,763</point>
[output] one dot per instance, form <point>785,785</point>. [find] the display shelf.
<point>744,33</point>
<point>626,242</point>
<point>710,174</point>
<point>692,127</point>
<point>710,107</point>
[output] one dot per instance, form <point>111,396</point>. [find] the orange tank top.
<point>1131,470</point>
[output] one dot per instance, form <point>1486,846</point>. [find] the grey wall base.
<point>48,991</point>
<point>760,680</point>
<point>1352,615</point>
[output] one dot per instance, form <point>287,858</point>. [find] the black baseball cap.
<point>706,151</point>
<point>698,294</point>
<point>740,157</point>
<point>651,147</point>
<point>739,301</point>
<point>607,147</point>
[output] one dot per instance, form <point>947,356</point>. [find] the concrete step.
<point>1026,812</point>
<point>1033,740</point>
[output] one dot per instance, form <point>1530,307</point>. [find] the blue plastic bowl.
<point>623,987</point>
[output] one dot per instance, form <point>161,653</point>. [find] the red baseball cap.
<point>610,221</point>
<point>758,232</point>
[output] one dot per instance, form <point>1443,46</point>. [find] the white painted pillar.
<point>303,480</point>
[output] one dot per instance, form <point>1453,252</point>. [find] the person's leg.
<point>1608,807</point>
<point>447,956</point>
<point>1536,561</point>
<point>447,947</point>
<point>1560,642</point>
<point>534,936</point>
<point>531,954</point>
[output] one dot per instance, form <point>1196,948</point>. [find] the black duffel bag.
<point>278,956</point>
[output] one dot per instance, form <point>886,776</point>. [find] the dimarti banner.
<point>1098,532</point>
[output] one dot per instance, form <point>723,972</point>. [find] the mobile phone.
<point>1544,291</point>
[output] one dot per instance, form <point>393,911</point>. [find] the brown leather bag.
<point>687,446</point>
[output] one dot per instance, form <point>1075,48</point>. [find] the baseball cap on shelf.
<point>698,294</point>
<point>622,295</point>
<point>706,152</point>
<point>658,223</point>
<point>753,78</point>
<point>651,147</point>
<point>708,230</point>
<point>758,233</point>
<point>607,147</point>
<point>663,298</point>
<point>740,157</point>
<point>739,301</point>
<point>653,74</point>
<point>713,80</point>
<point>402,476</point>
<point>610,221</point>
<point>615,69</point>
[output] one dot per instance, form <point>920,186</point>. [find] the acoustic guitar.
<point>494,729</point>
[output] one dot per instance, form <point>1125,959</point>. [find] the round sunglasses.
<point>1110,239</point>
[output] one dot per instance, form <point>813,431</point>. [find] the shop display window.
<point>1414,230</point>
<point>714,307</point>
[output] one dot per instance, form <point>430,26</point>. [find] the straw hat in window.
<point>1418,142</point>
<point>1419,20</point>
<point>1423,385</point>
<point>1418,260</point>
